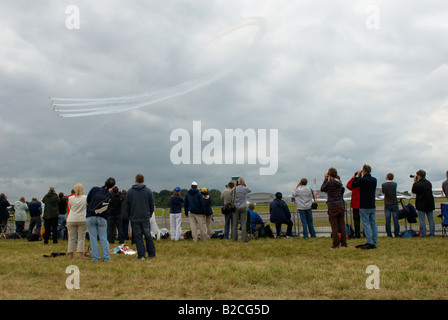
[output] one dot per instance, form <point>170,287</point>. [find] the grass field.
<point>278,269</point>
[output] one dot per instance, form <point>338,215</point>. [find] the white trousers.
<point>175,226</point>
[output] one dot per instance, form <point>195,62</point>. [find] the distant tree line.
<point>162,198</point>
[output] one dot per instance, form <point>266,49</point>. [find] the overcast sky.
<point>344,83</point>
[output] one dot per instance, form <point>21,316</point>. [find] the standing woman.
<point>335,202</point>
<point>76,221</point>
<point>304,198</point>
<point>176,202</point>
<point>20,208</point>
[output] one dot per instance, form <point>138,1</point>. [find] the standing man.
<point>445,186</point>
<point>51,215</point>
<point>140,208</point>
<point>424,203</point>
<point>239,193</point>
<point>228,216</point>
<point>35,212</point>
<point>367,207</point>
<point>4,213</point>
<point>194,205</point>
<point>389,189</point>
<point>97,205</point>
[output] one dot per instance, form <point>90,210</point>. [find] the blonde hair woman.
<point>76,221</point>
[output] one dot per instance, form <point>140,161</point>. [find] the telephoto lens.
<point>411,176</point>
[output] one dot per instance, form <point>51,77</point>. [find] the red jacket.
<point>355,195</point>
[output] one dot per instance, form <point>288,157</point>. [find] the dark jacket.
<point>139,203</point>
<point>115,204</point>
<point>176,202</point>
<point>335,192</point>
<point>51,201</point>
<point>279,211</point>
<point>424,199</point>
<point>208,205</point>
<point>35,209</point>
<point>62,205</point>
<point>367,189</point>
<point>194,202</point>
<point>97,196</point>
<point>4,204</point>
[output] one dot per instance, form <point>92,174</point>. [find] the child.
<point>176,202</point>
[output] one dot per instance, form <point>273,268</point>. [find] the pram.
<point>444,217</point>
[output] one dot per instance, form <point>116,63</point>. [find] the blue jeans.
<point>392,212</point>
<point>228,222</point>
<point>140,229</point>
<point>97,227</point>
<point>306,216</point>
<point>368,218</point>
<point>62,222</point>
<point>432,226</point>
<point>112,222</point>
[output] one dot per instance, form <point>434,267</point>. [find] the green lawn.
<point>278,269</point>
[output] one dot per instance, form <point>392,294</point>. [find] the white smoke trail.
<point>69,108</point>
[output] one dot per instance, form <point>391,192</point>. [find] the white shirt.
<point>78,208</point>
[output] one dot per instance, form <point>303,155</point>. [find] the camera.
<point>411,176</point>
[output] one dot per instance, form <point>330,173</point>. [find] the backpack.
<point>33,237</point>
<point>100,201</point>
<point>408,234</point>
<point>268,231</point>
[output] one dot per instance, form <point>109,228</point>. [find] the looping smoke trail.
<point>69,108</point>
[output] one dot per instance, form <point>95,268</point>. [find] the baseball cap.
<point>194,183</point>
<point>177,189</point>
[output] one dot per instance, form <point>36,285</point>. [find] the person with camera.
<point>97,204</point>
<point>445,186</point>
<point>4,213</point>
<point>354,204</point>
<point>335,202</point>
<point>305,197</point>
<point>424,202</point>
<point>228,216</point>
<point>194,206</point>
<point>367,206</point>
<point>239,193</point>
<point>114,217</point>
<point>51,215</point>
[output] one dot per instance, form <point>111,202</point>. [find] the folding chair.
<point>4,230</point>
<point>444,218</point>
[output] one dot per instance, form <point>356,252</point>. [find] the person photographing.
<point>424,202</point>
